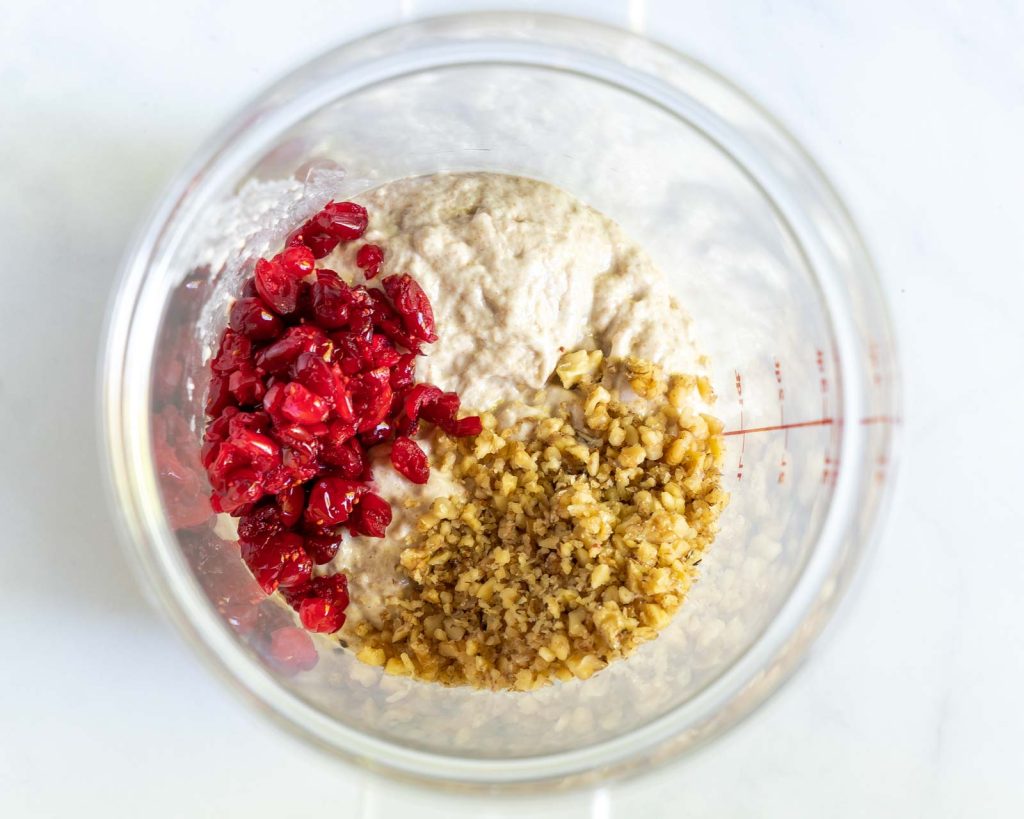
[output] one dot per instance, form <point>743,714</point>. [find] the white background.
<point>910,706</point>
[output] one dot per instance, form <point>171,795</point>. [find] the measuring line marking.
<point>820,422</point>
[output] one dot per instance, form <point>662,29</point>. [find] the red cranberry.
<point>299,464</point>
<point>241,422</point>
<point>323,609</point>
<point>347,459</point>
<point>383,352</point>
<point>235,351</point>
<point>352,353</point>
<point>218,396</point>
<point>331,501</point>
<point>441,410</point>
<point>325,380</point>
<point>377,435</point>
<point>239,489</point>
<point>344,221</point>
<point>247,449</point>
<point>465,427</point>
<point>280,561</point>
<point>277,357</point>
<point>405,426</point>
<point>410,460</point>
<point>297,261</point>
<point>369,258</point>
<point>418,397</point>
<point>371,397</point>
<point>259,525</point>
<point>302,405</point>
<point>318,240</point>
<point>329,300</point>
<point>277,287</point>
<point>322,545</point>
<point>253,318</point>
<point>246,386</point>
<point>218,428</point>
<point>403,373</point>
<point>292,650</point>
<point>290,504</point>
<point>412,305</point>
<point>371,517</point>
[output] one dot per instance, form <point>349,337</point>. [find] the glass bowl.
<point>758,248</point>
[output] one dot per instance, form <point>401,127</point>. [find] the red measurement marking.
<point>820,422</point>
<point>743,442</point>
<point>880,419</point>
<point>828,474</point>
<point>782,421</point>
<point>876,362</point>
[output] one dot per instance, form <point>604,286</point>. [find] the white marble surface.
<point>909,707</point>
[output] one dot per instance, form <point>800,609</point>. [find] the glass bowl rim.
<point>154,554</point>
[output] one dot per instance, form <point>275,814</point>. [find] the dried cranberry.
<point>290,505</point>
<point>410,460</point>
<point>238,489</point>
<point>344,221</point>
<point>405,426</point>
<point>371,397</point>
<point>259,525</point>
<point>235,351</point>
<point>403,373</point>
<point>280,561</point>
<point>323,608</point>
<point>325,380</point>
<point>218,428</point>
<point>383,311</point>
<point>393,329</point>
<point>244,448</point>
<point>329,300</point>
<point>347,458</point>
<point>465,427</point>
<point>218,395</point>
<point>338,432</point>
<point>299,463</point>
<point>331,500</point>
<point>277,357</point>
<point>360,321</point>
<point>322,545</point>
<point>253,318</point>
<point>420,396</point>
<point>352,353</point>
<point>297,261</point>
<point>369,258</point>
<point>278,479</point>
<point>441,410</point>
<point>412,305</point>
<point>383,352</point>
<point>371,517</point>
<point>246,386</point>
<point>292,650</point>
<point>277,287</point>
<point>377,435</point>
<point>241,422</point>
<point>302,405</point>
<point>318,240</point>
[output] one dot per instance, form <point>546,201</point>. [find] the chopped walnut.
<point>577,538</point>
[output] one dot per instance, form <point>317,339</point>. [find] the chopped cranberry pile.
<point>310,375</point>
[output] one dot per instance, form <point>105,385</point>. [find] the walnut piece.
<point>576,541</point>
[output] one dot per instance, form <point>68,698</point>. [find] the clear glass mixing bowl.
<point>758,248</point>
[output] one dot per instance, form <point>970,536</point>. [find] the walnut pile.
<point>578,537</point>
